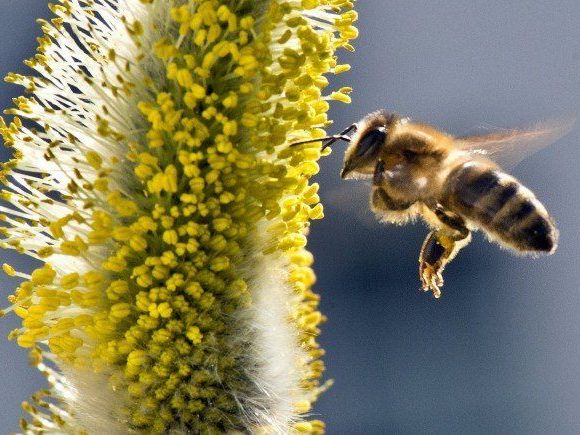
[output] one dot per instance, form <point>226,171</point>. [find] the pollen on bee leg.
<point>438,250</point>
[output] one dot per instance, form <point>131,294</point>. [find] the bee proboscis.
<point>454,184</point>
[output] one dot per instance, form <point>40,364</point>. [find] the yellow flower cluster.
<point>163,226</point>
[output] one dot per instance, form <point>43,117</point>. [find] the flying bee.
<point>454,184</point>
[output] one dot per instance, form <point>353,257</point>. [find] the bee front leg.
<point>439,248</point>
<point>381,202</point>
<point>385,206</point>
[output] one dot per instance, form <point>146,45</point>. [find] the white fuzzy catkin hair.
<point>274,354</point>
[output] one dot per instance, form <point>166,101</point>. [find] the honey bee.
<point>454,184</point>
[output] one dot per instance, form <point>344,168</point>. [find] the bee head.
<point>372,133</point>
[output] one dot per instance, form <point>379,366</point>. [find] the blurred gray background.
<point>500,352</point>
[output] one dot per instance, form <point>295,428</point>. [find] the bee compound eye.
<point>370,142</point>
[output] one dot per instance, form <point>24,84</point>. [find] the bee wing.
<point>509,147</point>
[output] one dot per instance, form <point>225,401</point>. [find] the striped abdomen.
<point>499,204</point>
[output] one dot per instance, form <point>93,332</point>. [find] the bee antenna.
<point>329,140</point>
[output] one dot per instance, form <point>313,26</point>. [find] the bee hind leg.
<point>439,248</point>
